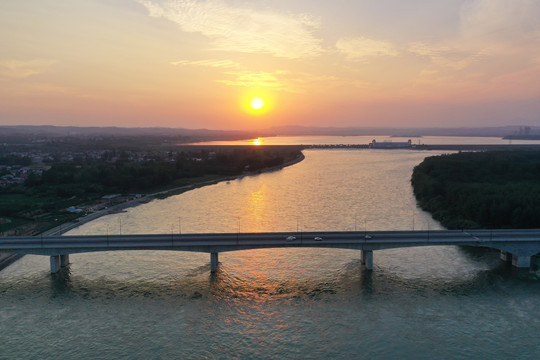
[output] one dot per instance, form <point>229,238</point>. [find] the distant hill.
<point>117,131</point>
<point>514,132</point>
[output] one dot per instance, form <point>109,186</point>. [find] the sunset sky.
<point>199,64</point>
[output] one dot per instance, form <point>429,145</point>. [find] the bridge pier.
<point>64,260</point>
<point>55,264</point>
<point>506,256</point>
<point>367,259</point>
<point>521,261</point>
<point>213,262</point>
<point>518,261</point>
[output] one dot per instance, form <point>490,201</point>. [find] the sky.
<point>199,63</point>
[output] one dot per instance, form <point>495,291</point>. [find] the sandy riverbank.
<point>7,259</point>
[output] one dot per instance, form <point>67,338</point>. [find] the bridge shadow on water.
<point>199,284</point>
<point>491,257</point>
<point>354,281</point>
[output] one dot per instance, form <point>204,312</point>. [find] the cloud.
<point>258,79</point>
<point>207,63</point>
<point>361,48</point>
<point>242,29</point>
<point>293,82</point>
<point>503,20</point>
<point>496,36</point>
<point>446,56</point>
<point>19,69</point>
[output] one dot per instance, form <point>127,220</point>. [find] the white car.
<point>367,237</point>
<point>317,238</point>
<point>290,238</point>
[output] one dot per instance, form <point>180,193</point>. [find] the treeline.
<point>11,160</point>
<point>135,176</point>
<point>495,189</point>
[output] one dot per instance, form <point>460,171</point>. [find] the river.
<point>419,303</point>
<point>364,140</point>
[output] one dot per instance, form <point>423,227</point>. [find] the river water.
<point>364,140</point>
<point>420,303</point>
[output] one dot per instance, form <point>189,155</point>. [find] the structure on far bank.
<point>391,144</point>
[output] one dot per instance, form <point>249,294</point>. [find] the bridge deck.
<point>521,243</point>
<point>373,240</point>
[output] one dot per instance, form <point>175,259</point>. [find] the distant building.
<point>391,145</point>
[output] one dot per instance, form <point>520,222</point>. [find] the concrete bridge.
<point>516,246</point>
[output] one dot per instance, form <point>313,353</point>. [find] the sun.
<point>256,103</point>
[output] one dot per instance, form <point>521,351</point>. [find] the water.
<point>420,303</point>
<point>349,140</point>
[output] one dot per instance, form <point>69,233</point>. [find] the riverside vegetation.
<point>82,180</point>
<point>493,189</point>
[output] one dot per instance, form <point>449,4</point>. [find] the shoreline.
<point>61,229</point>
<point>7,259</point>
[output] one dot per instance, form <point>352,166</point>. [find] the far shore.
<point>61,229</point>
<point>7,259</point>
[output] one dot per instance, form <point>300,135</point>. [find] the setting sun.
<point>257,103</point>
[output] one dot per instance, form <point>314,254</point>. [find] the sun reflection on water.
<point>257,208</point>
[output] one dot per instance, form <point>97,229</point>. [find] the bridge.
<point>516,246</point>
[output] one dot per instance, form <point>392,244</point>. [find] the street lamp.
<point>365,226</point>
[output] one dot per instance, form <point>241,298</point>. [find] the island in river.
<point>472,190</point>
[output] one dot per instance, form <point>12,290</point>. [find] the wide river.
<point>419,303</point>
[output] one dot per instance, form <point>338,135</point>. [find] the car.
<point>290,238</point>
<point>317,238</point>
<point>367,237</point>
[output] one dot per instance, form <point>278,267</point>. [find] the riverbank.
<point>480,190</point>
<point>7,259</point>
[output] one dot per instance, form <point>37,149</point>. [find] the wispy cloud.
<point>259,79</point>
<point>446,56</point>
<point>361,48</point>
<point>501,20</point>
<point>496,37</point>
<point>242,29</point>
<point>207,63</point>
<point>503,28</point>
<point>293,82</point>
<point>20,69</point>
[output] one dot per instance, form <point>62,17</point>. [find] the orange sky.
<point>197,64</point>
